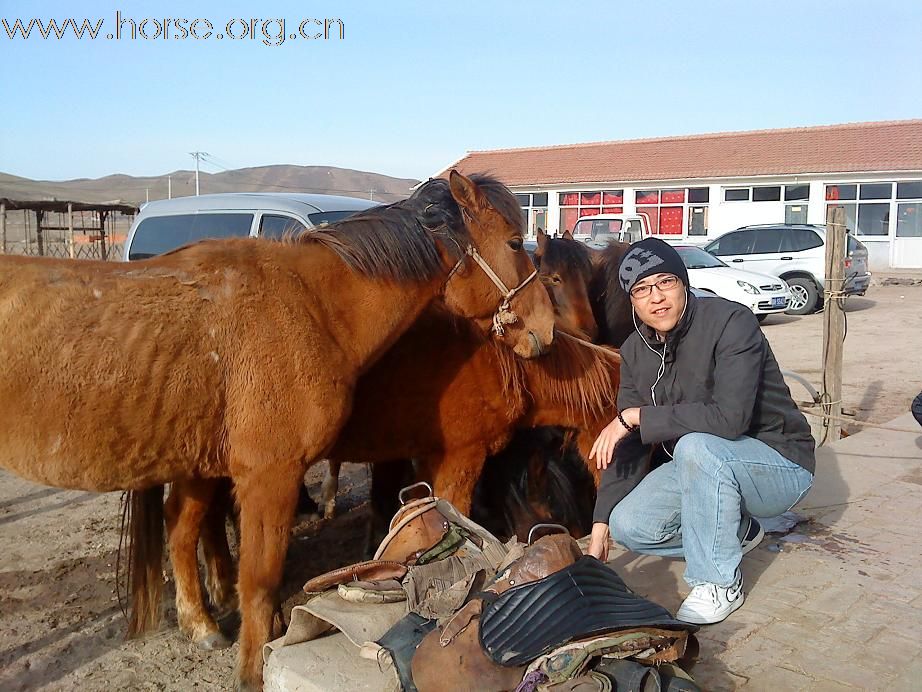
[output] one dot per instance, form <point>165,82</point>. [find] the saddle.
<point>448,607</point>
<point>547,595</point>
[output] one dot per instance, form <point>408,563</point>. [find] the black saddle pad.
<point>587,598</point>
<point>401,640</point>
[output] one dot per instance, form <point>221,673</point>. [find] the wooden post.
<point>102,235</point>
<point>38,231</point>
<point>70,229</point>
<point>834,319</point>
<point>3,228</point>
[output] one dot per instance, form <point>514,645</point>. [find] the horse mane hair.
<point>570,253</point>
<point>579,377</point>
<point>398,241</point>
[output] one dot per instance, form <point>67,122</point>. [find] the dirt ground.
<point>60,622</point>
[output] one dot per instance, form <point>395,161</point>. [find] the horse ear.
<point>465,192</point>
<point>542,242</point>
<point>567,235</point>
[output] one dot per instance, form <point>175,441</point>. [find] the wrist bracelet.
<point>629,428</point>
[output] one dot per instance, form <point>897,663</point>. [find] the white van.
<point>167,224</point>
<point>601,229</point>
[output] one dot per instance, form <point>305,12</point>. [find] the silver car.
<point>167,224</point>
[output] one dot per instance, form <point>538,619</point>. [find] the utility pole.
<point>371,194</point>
<point>197,155</point>
<point>169,187</point>
<point>147,194</point>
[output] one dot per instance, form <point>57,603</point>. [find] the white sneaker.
<point>709,603</point>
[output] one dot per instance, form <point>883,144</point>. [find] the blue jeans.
<point>693,506</point>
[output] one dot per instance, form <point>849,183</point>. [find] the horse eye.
<point>515,244</point>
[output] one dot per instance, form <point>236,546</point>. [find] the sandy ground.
<point>60,622</point>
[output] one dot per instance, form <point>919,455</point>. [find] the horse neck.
<point>585,400</point>
<point>368,314</point>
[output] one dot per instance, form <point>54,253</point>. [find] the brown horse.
<point>565,267</point>
<point>239,359</point>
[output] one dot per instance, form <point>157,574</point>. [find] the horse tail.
<point>143,515</point>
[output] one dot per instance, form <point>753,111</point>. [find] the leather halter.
<point>504,314</point>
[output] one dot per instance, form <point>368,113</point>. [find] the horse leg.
<point>185,509</point>
<point>267,508</point>
<point>454,476</point>
<point>329,488</point>
<point>219,564</point>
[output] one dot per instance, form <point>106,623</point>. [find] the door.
<point>907,246</point>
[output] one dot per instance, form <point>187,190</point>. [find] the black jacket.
<point>719,376</point>
<point>917,408</point>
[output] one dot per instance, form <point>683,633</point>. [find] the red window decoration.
<point>652,218</point>
<point>590,198</point>
<point>568,219</point>
<point>673,196</point>
<point>569,199</point>
<point>670,220</point>
<point>647,196</point>
<point>612,210</point>
<point>613,197</point>
<point>589,211</point>
<point>832,193</point>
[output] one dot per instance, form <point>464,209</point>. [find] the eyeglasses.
<point>667,283</point>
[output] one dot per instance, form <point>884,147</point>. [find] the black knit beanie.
<point>648,257</point>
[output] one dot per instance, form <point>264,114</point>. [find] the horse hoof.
<point>213,641</point>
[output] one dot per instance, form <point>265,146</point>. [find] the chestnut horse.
<point>239,359</point>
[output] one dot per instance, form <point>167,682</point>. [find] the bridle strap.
<point>504,314</point>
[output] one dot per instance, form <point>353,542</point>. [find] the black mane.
<point>398,241</point>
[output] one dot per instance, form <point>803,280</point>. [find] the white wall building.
<point>699,187</point>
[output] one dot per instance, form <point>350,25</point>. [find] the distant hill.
<point>281,178</point>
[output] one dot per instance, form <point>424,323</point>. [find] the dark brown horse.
<point>239,359</point>
<point>611,306</point>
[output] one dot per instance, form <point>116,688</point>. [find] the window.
<point>698,195</point>
<point>767,241</point>
<point>159,234</point>
<point>875,191</point>
<point>574,205</point>
<point>837,192</point>
<point>909,220</point>
<point>795,213</point>
<point>736,194</point>
<point>534,211</point>
<point>873,219</point>
<point>909,214</point>
<point>739,243</point>
<point>798,240</point>
<point>274,226</point>
<point>668,211</point>
<point>796,193</point>
<point>766,194</point>
<point>909,190</point>
<point>697,221</point>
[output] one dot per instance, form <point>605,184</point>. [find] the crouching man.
<point>698,378</point>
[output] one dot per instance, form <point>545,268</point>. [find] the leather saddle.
<point>418,533</point>
<point>547,595</point>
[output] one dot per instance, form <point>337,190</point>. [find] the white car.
<point>763,294</point>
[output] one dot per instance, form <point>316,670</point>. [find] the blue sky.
<point>415,85</point>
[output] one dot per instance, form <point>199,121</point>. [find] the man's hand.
<point>604,446</point>
<point>599,542</point>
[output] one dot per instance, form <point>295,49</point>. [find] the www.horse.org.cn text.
<point>271,32</point>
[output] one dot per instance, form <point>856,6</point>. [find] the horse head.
<point>565,269</point>
<point>492,278</point>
